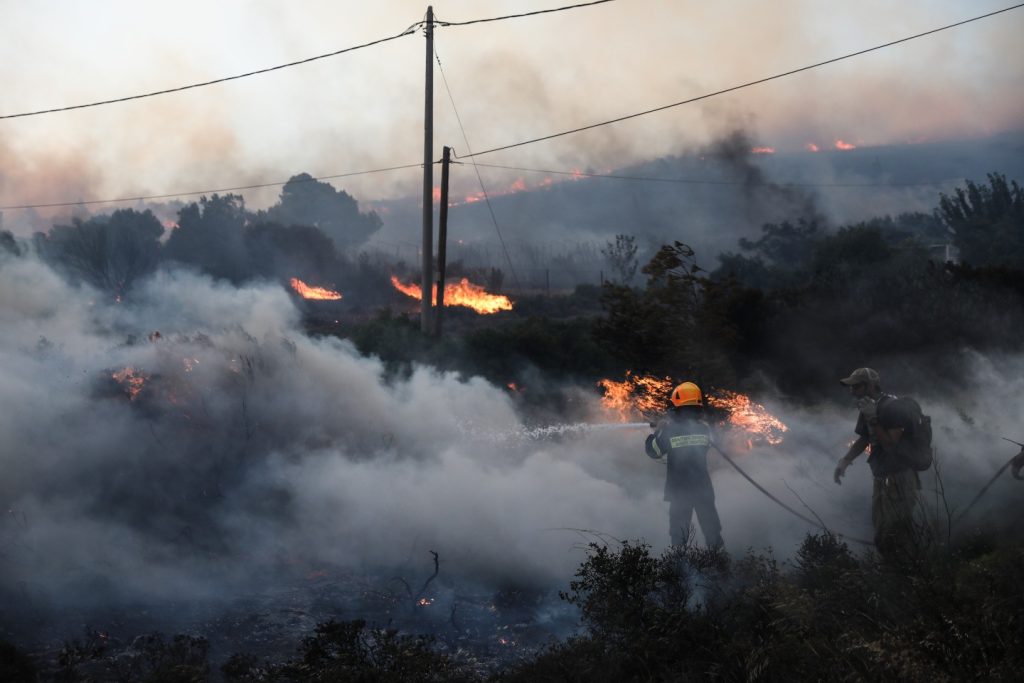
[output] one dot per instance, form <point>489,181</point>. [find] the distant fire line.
<point>308,292</point>
<point>462,293</point>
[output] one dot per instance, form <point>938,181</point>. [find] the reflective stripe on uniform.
<point>655,447</point>
<point>689,440</point>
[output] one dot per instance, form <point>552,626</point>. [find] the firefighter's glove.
<point>650,447</point>
<point>868,408</point>
<point>840,470</point>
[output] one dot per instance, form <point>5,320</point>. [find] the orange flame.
<point>763,150</point>
<point>635,397</point>
<point>751,417</point>
<point>811,147</point>
<point>844,146</point>
<point>462,293</point>
<point>131,380</point>
<point>307,292</point>
<point>640,397</point>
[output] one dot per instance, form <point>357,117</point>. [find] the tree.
<point>109,252</point>
<point>987,222</point>
<point>209,236</point>
<point>8,243</point>
<point>621,254</point>
<point>307,201</point>
<point>298,251</point>
<point>681,323</point>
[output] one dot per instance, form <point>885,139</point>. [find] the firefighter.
<point>683,439</point>
<point>880,425</point>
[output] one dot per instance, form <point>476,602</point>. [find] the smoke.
<point>252,449</point>
<point>250,445</point>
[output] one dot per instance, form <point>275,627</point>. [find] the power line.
<point>692,181</point>
<point>479,177</point>
<point>744,85</point>
<point>406,32</point>
<point>203,192</point>
<point>517,16</point>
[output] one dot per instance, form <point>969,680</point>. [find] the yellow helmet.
<point>686,394</point>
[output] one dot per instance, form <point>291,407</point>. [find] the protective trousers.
<point>683,501</point>
<point>892,513</point>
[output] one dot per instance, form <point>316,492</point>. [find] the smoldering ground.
<point>245,450</point>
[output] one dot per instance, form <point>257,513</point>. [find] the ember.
<point>307,292</point>
<point>463,293</point>
<point>131,380</point>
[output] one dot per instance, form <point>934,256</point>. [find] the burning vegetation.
<point>317,293</point>
<point>461,293</point>
<point>131,381</point>
<point>646,396</point>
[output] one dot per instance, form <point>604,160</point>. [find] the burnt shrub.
<point>15,665</point>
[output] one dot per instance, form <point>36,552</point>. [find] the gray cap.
<point>861,376</point>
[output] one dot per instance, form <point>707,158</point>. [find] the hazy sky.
<point>511,80</point>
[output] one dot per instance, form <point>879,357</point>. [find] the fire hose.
<point>765,491</point>
<point>1016,461</point>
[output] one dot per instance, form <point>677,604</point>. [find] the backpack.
<point>915,447</point>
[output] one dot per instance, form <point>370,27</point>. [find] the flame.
<point>751,417</point>
<point>844,146</point>
<point>634,397</point>
<point>307,292</point>
<point>763,150</point>
<point>639,397</point>
<point>131,380</point>
<point>518,185</point>
<point>811,147</point>
<point>462,293</point>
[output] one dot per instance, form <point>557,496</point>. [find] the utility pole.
<point>442,234</point>
<point>428,181</point>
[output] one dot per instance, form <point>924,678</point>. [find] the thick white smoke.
<point>252,447</point>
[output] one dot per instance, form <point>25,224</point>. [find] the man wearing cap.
<point>894,493</point>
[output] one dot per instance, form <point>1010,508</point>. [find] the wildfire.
<point>462,293</point>
<point>763,150</point>
<point>749,416</point>
<point>131,380</point>
<point>307,292</point>
<point>640,397</point>
<point>845,146</point>
<point>811,147</point>
<point>635,397</point>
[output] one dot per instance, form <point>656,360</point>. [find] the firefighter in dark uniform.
<point>683,439</point>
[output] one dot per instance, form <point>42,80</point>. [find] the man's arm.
<point>856,448</point>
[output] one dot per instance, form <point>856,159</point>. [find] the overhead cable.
<point>693,181</point>
<point>203,192</point>
<point>744,85</point>
<point>480,179</point>
<point>407,32</point>
<point>517,16</point>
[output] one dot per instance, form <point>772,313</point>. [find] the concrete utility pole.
<point>428,182</point>
<point>442,234</point>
